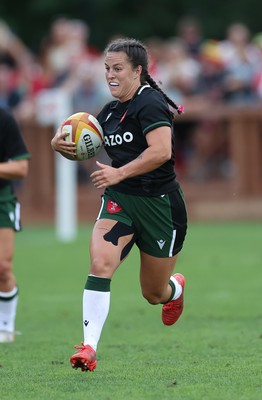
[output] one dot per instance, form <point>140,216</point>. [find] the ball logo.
<point>89,145</point>
<point>85,131</point>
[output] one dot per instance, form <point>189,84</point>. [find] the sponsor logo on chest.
<point>118,139</point>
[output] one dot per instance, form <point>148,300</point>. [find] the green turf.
<point>213,352</point>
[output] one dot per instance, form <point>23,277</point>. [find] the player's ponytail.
<point>153,84</point>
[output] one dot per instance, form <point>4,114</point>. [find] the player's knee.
<point>5,270</point>
<point>153,298</point>
<point>101,266</point>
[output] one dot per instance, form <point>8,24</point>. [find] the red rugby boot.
<point>85,358</point>
<point>172,310</point>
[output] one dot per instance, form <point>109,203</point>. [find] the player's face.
<point>122,79</point>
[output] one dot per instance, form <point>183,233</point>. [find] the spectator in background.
<point>212,75</point>
<point>155,46</point>
<point>182,70</point>
<point>190,33</point>
<point>66,46</point>
<point>19,71</point>
<point>11,54</point>
<point>242,61</point>
<point>207,144</point>
<point>79,36</point>
<point>12,45</point>
<point>54,53</point>
<point>86,89</point>
<point>71,65</point>
<point>10,96</point>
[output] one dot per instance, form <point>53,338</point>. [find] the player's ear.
<point>138,71</point>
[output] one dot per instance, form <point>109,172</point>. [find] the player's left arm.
<point>14,169</point>
<point>159,151</point>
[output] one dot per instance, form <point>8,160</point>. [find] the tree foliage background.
<point>31,19</point>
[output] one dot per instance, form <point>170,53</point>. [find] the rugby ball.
<point>85,130</point>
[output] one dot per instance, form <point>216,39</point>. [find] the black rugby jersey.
<point>12,146</point>
<point>125,126</point>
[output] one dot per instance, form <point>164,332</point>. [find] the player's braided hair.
<point>138,55</point>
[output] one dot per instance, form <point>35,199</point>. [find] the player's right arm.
<point>14,169</point>
<point>59,144</point>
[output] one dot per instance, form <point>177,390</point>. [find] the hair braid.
<point>155,86</point>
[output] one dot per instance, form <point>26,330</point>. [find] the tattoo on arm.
<point>140,156</point>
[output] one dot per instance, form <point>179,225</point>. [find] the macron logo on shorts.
<point>112,207</point>
<point>161,243</point>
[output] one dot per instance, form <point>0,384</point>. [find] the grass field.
<point>213,352</point>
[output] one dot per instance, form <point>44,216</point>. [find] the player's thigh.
<point>110,243</point>
<point>10,215</point>
<point>6,245</point>
<point>155,273</point>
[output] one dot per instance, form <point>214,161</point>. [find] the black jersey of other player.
<point>12,146</point>
<point>125,126</point>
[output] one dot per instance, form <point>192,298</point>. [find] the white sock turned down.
<point>178,287</point>
<point>8,310</point>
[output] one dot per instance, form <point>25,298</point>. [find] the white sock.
<point>8,305</point>
<point>178,288</point>
<point>95,311</point>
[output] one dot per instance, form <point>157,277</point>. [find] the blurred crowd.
<point>192,69</point>
<point>188,65</point>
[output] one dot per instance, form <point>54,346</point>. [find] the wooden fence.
<point>238,196</point>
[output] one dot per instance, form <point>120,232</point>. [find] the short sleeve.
<point>15,147</point>
<point>153,112</point>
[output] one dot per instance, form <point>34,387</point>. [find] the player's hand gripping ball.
<point>83,129</point>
